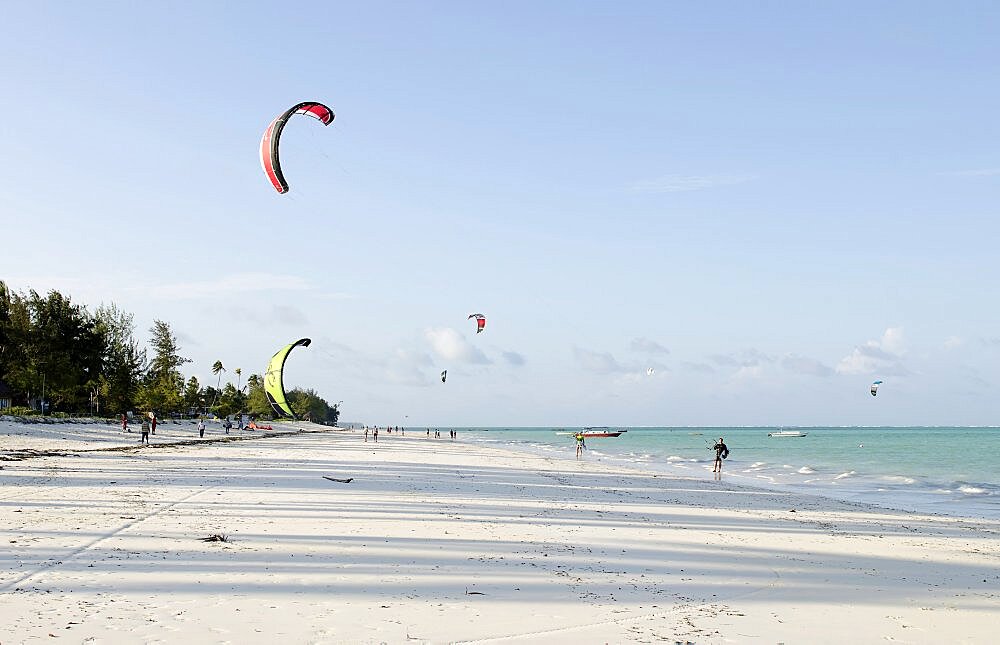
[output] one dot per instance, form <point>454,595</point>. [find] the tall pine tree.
<point>163,391</point>
<point>124,359</point>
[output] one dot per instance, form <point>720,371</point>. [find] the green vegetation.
<point>80,362</point>
<point>311,406</point>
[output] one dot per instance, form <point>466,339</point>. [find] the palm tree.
<point>239,395</point>
<point>217,369</point>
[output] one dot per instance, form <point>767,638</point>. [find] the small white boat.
<point>787,433</point>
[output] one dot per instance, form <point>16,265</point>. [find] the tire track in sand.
<point>55,562</point>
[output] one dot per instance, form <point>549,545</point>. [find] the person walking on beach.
<point>145,432</point>
<point>201,427</point>
<point>375,434</point>
<point>721,452</point>
<point>124,423</point>
<point>580,444</point>
<point>366,434</point>
<point>152,421</point>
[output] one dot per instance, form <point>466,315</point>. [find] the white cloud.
<point>972,376</point>
<point>451,345</point>
<point>892,340</point>
<point>883,356</point>
<point>804,365</point>
<point>704,368</point>
<point>857,362</point>
<point>184,339</point>
<point>684,183</point>
<point>335,295</point>
<point>746,358</point>
<point>288,315</point>
<point>648,346</point>
<point>514,358</point>
<point>748,372</point>
<point>598,362</point>
<point>409,367</point>
<point>953,342</point>
<point>341,353</point>
<point>400,366</point>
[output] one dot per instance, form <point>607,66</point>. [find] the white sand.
<point>440,541</point>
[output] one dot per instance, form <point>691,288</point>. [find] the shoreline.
<point>442,541</point>
<point>892,485</point>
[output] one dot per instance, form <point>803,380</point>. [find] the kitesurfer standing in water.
<point>721,452</point>
<point>580,444</point>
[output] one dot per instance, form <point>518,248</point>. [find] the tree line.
<point>77,361</point>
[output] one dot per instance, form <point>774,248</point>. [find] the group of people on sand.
<point>241,423</point>
<point>148,425</point>
<point>373,432</point>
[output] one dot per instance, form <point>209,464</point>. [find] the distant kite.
<point>444,376</point>
<point>480,322</point>
<point>649,371</point>
<point>269,143</point>
<point>875,387</point>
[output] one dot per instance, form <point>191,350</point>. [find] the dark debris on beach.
<point>215,537</point>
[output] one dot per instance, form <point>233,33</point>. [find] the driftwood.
<point>341,481</point>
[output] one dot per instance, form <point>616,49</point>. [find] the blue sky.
<point>770,204</point>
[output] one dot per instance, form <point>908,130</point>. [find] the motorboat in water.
<point>787,433</point>
<point>601,431</point>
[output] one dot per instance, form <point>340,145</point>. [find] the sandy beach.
<point>439,541</point>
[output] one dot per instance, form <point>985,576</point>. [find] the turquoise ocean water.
<point>952,471</point>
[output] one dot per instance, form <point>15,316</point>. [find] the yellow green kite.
<point>274,387</point>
